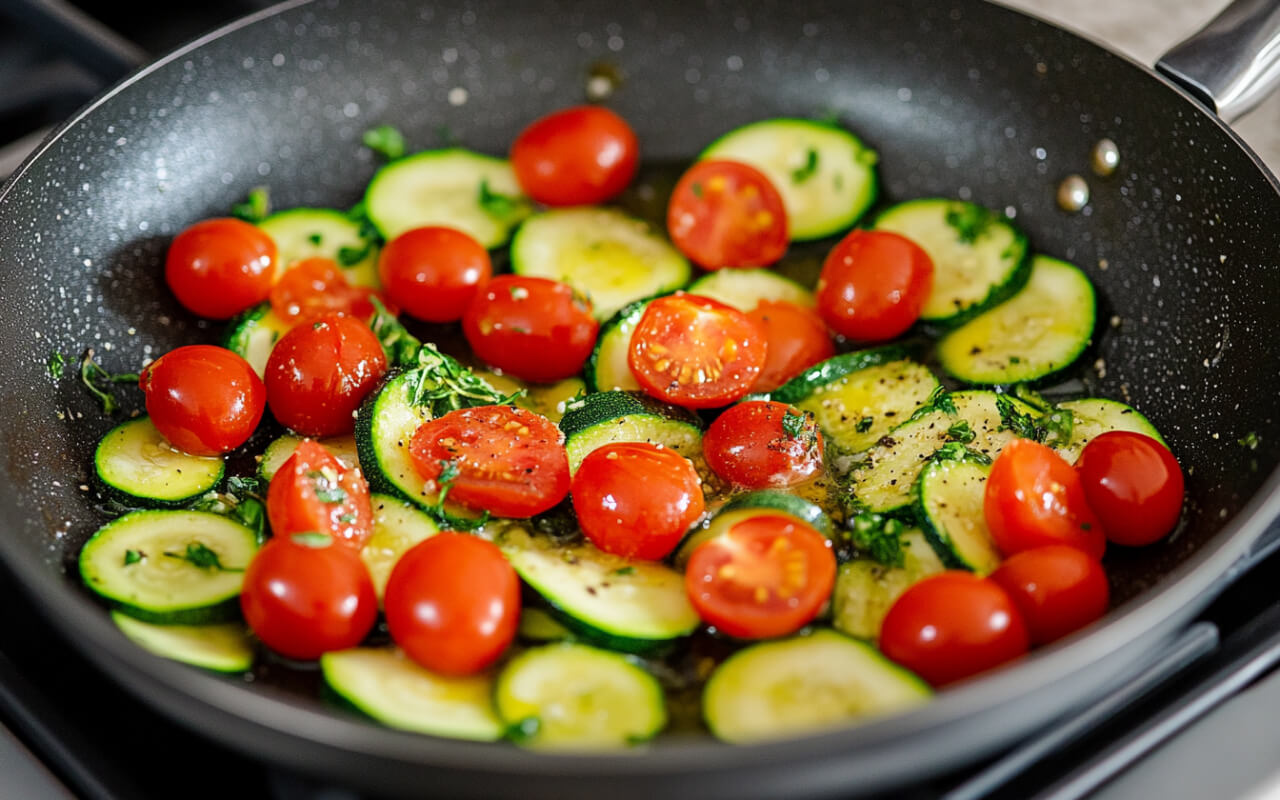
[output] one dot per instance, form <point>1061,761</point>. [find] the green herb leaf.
<point>133,556</point>
<point>204,558</point>
<point>956,451</point>
<point>350,256</point>
<point>863,425</point>
<point>877,537</point>
<point>524,729</point>
<point>313,539</point>
<point>1250,441</point>
<point>1020,423</point>
<point>255,208</point>
<point>444,385</point>
<point>627,570</point>
<point>939,400</point>
<point>326,487</point>
<point>793,424</point>
<point>805,172</point>
<point>400,346</point>
<point>448,472</point>
<point>696,189</point>
<point>386,141</point>
<point>960,432</point>
<point>316,239</point>
<point>969,221</point>
<point>98,381</point>
<point>56,365</point>
<point>501,206</point>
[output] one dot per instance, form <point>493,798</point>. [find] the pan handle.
<point>1232,63</point>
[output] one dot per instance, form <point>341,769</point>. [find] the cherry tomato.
<point>636,499</point>
<point>796,338</point>
<point>766,576</point>
<point>319,371</point>
<point>576,156</point>
<point>727,214</point>
<point>316,286</point>
<point>204,400</point>
<point>952,625</point>
<point>1134,484</point>
<point>434,273</point>
<point>313,491</point>
<point>696,352</point>
<point>1034,498</point>
<point>219,267</point>
<point>532,328</point>
<point>506,460</point>
<point>305,596</point>
<point>763,444</point>
<point>873,285</point>
<point>453,603</point>
<point>1057,589</point>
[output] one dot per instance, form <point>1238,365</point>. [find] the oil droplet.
<point>602,81</point>
<point>1073,194</point>
<point>1106,157</point>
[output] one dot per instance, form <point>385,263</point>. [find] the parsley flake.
<point>200,556</point>
<point>255,208</point>
<point>969,221</point>
<point>810,166</point>
<point>386,141</point>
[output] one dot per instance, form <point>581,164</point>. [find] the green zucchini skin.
<point>253,333</point>
<point>224,647</point>
<point>302,233</point>
<point>949,506</point>
<point>606,368</point>
<point>865,590</point>
<point>1094,416</point>
<point>385,424</point>
<point>136,467</point>
<point>607,417</point>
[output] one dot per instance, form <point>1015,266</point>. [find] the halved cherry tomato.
<point>319,371</point>
<point>506,460</point>
<point>1034,498</point>
<point>219,267</point>
<point>305,595</point>
<point>453,603</point>
<point>1134,484</point>
<point>762,444</point>
<point>696,352</point>
<point>766,576</point>
<point>204,400</point>
<point>313,491</point>
<point>873,285</point>
<point>316,286</point>
<point>727,214</point>
<point>1058,590</point>
<point>636,499</point>
<point>796,338</point>
<point>952,625</point>
<point>576,156</point>
<point>434,273</point>
<point>533,328</point>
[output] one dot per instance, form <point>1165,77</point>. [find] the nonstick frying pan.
<point>960,98</point>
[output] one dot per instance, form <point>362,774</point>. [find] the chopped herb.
<point>627,570</point>
<point>240,502</point>
<point>316,239</point>
<point>1250,441</point>
<point>1011,419</point>
<point>960,432</point>
<point>444,385</point>
<point>877,537</point>
<point>400,346</point>
<point>204,558</point>
<point>501,206</point>
<point>956,451</point>
<point>350,256</point>
<point>239,484</point>
<point>98,381</point>
<point>56,365</point>
<point>805,172</point>
<point>520,329</point>
<point>938,400</point>
<point>792,424</point>
<point>386,141</point>
<point>312,539</point>
<point>969,221</point>
<point>327,489</point>
<point>1058,426</point>
<point>525,729</point>
<point>449,474</point>
<point>346,519</point>
<point>800,427</point>
<point>255,208</point>
<point>133,556</point>
<point>864,424</point>
<point>518,292</point>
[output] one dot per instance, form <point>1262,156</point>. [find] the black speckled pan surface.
<point>960,98</point>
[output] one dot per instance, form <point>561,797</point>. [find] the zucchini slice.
<point>607,417</point>
<point>385,424</point>
<point>302,233</point>
<point>397,527</point>
<point>865,590</point>
<point>1094,416</point>
<point>342,448</point>
<point>252,334</point>
<point>147,564</point>
<point>136,465</point>
<point>603,253</point>
<point>477,194</point>
<point>950,512</point>
<point>745,288</point>
<point>826,176</point>
<point>224,647</point>
<point>539,625</point>
<point>1037,332</point>
<point>392,689</point>
<point>604,599</point>
<point>569,696</point>
<point>979,258</point>
<point>805,684</point>
<point>762,503</point>
<point>607,366</point>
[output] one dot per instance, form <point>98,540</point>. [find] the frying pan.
<point>961,98</point>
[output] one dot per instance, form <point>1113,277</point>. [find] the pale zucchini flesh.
<point>397,527</point>
<point>252,335</point>
<point>136,463</point>
<point>219,647</point>
<point>855,410</point>
<point>745,288</point>
<point>607,367</point>
<point>865,590</point>
<point>1094,416</point>
<point>279,451</point>
<point>302,233</point>
<point>951,513</point>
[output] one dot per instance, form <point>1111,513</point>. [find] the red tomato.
<point>305,596</point>
<point>796,338</point>
<point>219,267</point>
<point>533,328</point>
<point>727,214</point>
<point>312,491</point>
<point>318,373</point>
<point>434,273</point>
<point>576,156</point>
<point>204,400</point>
<point>316,286</point>
<point>508,461</point>
<point>696,352</point>
<point>952,625</point>
<point>636,499</point>
<point>453,603</point>
<point>1057,589</point>
<point>1134,484</point>
<point>873,285</point>
<point>762,444</point>
<point>766,576</point>
<point>1034,498</point>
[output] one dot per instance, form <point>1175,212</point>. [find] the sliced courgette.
<point>302,233</point>
<point>749,506</point>
<point>745,288</point>
<point>865,590</point>
<point>385,424</point>
<point>950,510</point>
<point>252,334</point>
<point>1094,416</point>
<point>222,647</point>
<point>607,417</point>
<point>607,366</point>
<point>138,467</point>
<point>540,625</point>
<point>397,527</point>
<point>342,448</point>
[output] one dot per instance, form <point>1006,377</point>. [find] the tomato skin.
<point>766,576</point>
<point>453,603</point>
<point>576,156</point>
<point>219,267</point>
<point>951,626</point>
<point>534,328</point>
<point>434,273</point>
<point>873,285</point>
<point>1134,484</point>
<point>727,214</point>
<point>796,338</point>
<point>316,286</point>
<point>510,461</point>
<point>1057,589</point>
<point>319,371</point>
<point>1034,498</point>
<point>748,445</point>
<point>635,499</point>
<point>696,352</point>
<point>204,400</point>
<point>313,491</point>
<point>304,600</point>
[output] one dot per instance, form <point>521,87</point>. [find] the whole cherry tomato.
<point>1058,589</point>
<point>219,267</point>
<point>313,491</point>
<point>533,328</point>
<point>727,214</point>
<point>1034,498</point>
<point>762,444</point>
<point>204,400</point>
<point>796,339</point>
<point>873,285</point>
<point>434,273</point>
<point>1134,484</point>
<point>576,156</point>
